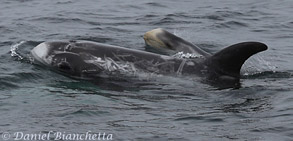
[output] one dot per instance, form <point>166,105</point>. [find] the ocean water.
<point>36,100</point>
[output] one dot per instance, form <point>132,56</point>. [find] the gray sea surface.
<point>37,100</point>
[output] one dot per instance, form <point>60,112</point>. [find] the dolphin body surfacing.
<point>87,59</point>
<point>224,65</point>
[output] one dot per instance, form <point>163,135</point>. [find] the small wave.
<point>181,15</point>
<point>130,7</point>
<point>59,20</point>
<point>151,16</point>
<point>85,111</point>
<point>222,15</point>
<point>229,14</point>
<point>64,2</point>
<point>15,78</point>
<point>201,118</point>
<point>4,97</point>
<point>100,39</point>
<point>248,105</point>
<point>213,17</point>
<point>166,20</point>
<point>116,29</point>
<point>147,17</point>
<point>154,4</point>
<point>4,85</point>
<point>268,74</point>
<point>28,76</point>
<point>4,29</point>
<point>231,24</point>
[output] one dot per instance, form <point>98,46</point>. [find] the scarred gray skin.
<point>72,58</point>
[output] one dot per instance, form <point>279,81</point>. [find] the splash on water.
<point>14,49</point>
<point>257,64</point>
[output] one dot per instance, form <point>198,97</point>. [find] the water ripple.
<point>154,4</point>
<point>34,98</point>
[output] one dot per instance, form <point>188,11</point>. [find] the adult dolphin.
<point>90,60</point>
<point>224,65</point>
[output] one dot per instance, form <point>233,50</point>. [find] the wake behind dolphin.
<point>87,59</point>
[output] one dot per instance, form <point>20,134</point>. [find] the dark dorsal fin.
<point>228,61</point>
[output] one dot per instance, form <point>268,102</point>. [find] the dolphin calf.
<point>168,43</point>
<point>86,59</point>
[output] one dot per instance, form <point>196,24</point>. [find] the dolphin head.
<point>155,39</point>
<point>60,56</point>
<point>168,43</point>
<point>44,52</point>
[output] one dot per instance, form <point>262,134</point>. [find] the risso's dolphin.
<point>88,59</point>
<point>164,42</point>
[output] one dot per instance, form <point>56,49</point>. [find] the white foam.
<point>257,64</point>
<point>14,48</point>
<point>182,55</point>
